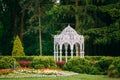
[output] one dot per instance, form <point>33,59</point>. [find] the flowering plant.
<point>24,63</point>
<point>60,63</point>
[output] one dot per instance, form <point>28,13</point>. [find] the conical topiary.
<point>18,49</point>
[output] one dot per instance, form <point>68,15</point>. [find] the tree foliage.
<point>97,20</point>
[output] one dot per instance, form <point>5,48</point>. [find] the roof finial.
<point>68,25</point>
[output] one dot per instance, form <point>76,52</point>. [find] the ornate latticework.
<point>68,37</point>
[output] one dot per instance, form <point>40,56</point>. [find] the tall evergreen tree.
<point>18,49</point>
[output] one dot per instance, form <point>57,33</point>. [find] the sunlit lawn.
<point>75,77</point>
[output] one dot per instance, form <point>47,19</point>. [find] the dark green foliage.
<point>43,62</point>
<point>99,22</point>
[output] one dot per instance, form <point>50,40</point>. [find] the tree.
<point>36,9</point>
<point>18,49</point>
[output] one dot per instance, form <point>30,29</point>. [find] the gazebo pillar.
<point>76,49</point>
<point>54,52</point>
<point>66,52</point>
<point>57,52</point>
<point>71,51</point>
<point>60,53</point>
<point>80,50</point>
<point>83,50</point>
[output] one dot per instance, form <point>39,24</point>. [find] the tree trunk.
<point>76,15</point>
<point>22,26</point>
<point>15,25</point>
<point>40,36</point>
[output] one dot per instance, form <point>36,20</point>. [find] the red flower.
<point>24,63</point>
<point>60,63</point>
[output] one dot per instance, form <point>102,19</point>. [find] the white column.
<point>80,50</point>
<point>71,51</point>
<point>57,53</point>
<point>54,53</point>
<point>66,52</point>
<point>83,47</point>
<point>60,52</point>
<point>83,50</point>
<point>76,49</point>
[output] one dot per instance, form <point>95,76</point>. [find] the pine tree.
<point>18,49</point>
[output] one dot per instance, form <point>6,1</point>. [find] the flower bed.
<point>45,72</point>
<point>5,71</point>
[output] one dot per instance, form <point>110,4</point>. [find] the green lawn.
<point>75,77</point>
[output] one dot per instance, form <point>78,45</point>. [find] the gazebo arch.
<point>68,37</point>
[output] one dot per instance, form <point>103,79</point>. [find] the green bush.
<point>94,70</point>
<point>116,62</point>
<point>112,71</point>
<point>103,64</point>
<point>4,64</point>
<point>114,68</point>
<point>78,65</point>
<point>47,62</point>
<point>39,66</point>
<point>9,62</point>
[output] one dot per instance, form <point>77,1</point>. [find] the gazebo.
<point>68,37</point>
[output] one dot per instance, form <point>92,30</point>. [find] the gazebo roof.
<point>68,35</point>
<point>69,31</point>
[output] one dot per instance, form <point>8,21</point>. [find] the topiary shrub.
<point>18,50</point>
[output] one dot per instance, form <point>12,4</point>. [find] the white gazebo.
<point>68,37</point>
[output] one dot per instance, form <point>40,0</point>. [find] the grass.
<point>75,77</point>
